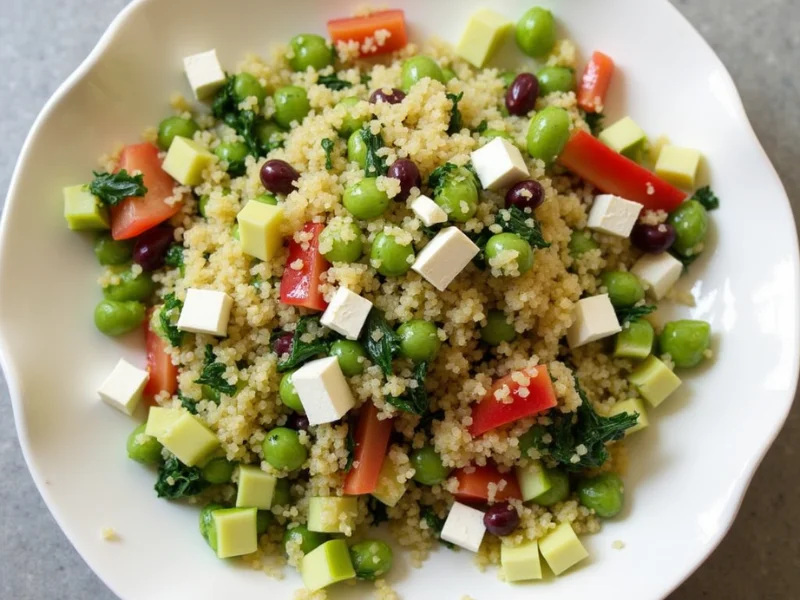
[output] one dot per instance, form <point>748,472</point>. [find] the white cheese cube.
<point>464,527</point>
<point>346,313</point>
<point>323,390</point>
<point>428,211</point>
<point>499,164</point>
<point>444,257</point>
<point>206,311</point>
<point>123,388</point>
<point>659,272</point>
<point>205,73</point>
<point>614,215</point>
<point>594,319</point>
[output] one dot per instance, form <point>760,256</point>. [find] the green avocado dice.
<point>83,210</point>
<point>625,137</point>
<point>189,439</point>
<point>533,480</point>
<point>521,563</point>
<point>186,160</point>
<point>654,380</point>
<point>635,340</point>
<point>236,531</point>
<point>327,564</point>
<point>256,488</point>
<point>485,31</point>
<point>562,549</point>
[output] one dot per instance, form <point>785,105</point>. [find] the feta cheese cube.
<point>659,272</point>
<point>206,311</point>
<point>594,319</point>
<point>346,313</point>
<point>499,164</point>
<point>205,73</point>
<point>464,527</point>
<point>123,388</point>
<point>444,257</point>
<point>428,211</point>
<point>614,215</point>
<point>323,390</point>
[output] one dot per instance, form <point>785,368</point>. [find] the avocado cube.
<point>186,160</point>
<point>635,340</point>
<point>256,488</point>
<point>485,32</point>
<point>327,564</point>
<point>389,490</point>
<point>260,229</point>
<point>533,480</point>
<point>521,563</point>
<point>332,514</point>
<point>678,165</point>
<point>160,419</point>
<point>654,380</point>
<point>632,406</point>
<point>562,549</point>
<point>83,210</point>
<point>189,439</point>
<point>236,531</point>
<point>625,137</point>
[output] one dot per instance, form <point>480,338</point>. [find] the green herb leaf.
<point>634,313</point>
<point>213,374</point>
<point>226,108</point>
<point>595,122</point>
<point>435,524</point>
<point>113,188</point>
<point>168,317</point>
<point>301,351</point>
<point>176,480</point>
<point>439,175</point>
<point>415,400</point>
<point>455,114</point>
<point>189,404</point>
<point>515,220</point>
<point>378,511</point>
<point>482,126</point>
<point>332,82</point>
<point>707,198</point>
<point>375,164</point>
<point>327,146</point>
<point>380,341</point>
<point>174,256</point>
<point>366,78</point>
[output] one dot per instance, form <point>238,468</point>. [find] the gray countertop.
<point>43,41</point>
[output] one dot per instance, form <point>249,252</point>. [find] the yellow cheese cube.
<point>186,160</point>
<point>389,490</point>
<point>190,440</point>
<point>236,531</point>
<point>654,380</point>
<point>521,563</point>
<point>562,549</point>
<point>83,210</point>
<point>159,420</point>
<point>256,488</point>
<point>259,229</point>
<point>678,165</point>
<point>631,406</point>
<point>332,514</point>
<point>485,32</point>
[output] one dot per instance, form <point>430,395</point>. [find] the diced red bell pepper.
<point>300,286</point>
<point>594,83</point>
<point>134,215</point>
<point>361,28</point>
<point>592,160</point>
<point>473,487</point>
<point>163,374</point>
<point>527,399</point>
<point>371,440</point>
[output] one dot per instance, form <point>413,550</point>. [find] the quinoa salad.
<point>394,297</point>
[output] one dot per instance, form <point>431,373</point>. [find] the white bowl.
<point>688,471</point>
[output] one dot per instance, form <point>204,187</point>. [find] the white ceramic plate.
<point>688,471</point>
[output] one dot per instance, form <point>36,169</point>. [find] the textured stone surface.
<point>43,41</point>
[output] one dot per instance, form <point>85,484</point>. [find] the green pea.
<point>235,231</point>
<point>357,149</point>
<point>308,540</point>
<point>418,68</point>
<point>497,329</point>
<point>393,258</point>
<point>350,124</point>
<point>364,200</point>
<point>448,74</point>
<point>507,77</point>
<point>559,489</point>
<point>283,450</point>
<point>233,153</point>
<point>210,394</point>
<point>175,126</point>
<point>309,50</point>
<point>555,79</point>
<point>344,240</point>
<point>143,448</point>
<point>267,199</point>
<point>269,134</point>
<point>531,439</point>
<point>624,288</point>
<point>603,493</point>
<point>690,221</point>
<point>139,287</point>
<point>351,356</point>
<point>548,134</point>
<point>635,340</point>
<point>291,104</point>
<point>458,196</point>
<point>218,470</point>
<point>419,340</point>
<point>371,559</point>
<point>281,496</point>
<point>116,318</point>
<point>580,243</point>
<point>112,252</point>
<point>264,519</point>
<point>490,134</point>
<point>428,467</point>
<point>536,32</point>
<point>246,85</point>
<point>685,341</point>
<point>503,242</point>
<point>202,204</point>
<point>207,527</point>
<point>289,395</point>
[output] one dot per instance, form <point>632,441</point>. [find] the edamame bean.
<point>130,287</point>
<point>389,257</point>
<point>246,85</point>
<point>283,450</point>
<point>309,50</point>
<point>580,243</point>
<point>555,79</point>
<point>536,32</point>
<point>233,153</point>
<point>112,252</point>
<point>116,318</point>
<point>559,489</point>
<point>341,242</point>
<point>267,199</point>
<point>428,467</point>
<point>202,203</point>
<point>458,196</point>
<point>291,105</point>
<point>686,341</point>
<point>289,395</point>
<point>490,134</point>
<point>350,124</point>
<point>218,470</point>
<point>624,288</point>
<point>603,493</point>
<point>548,134</point>
<point>364,200</point>
<point>690,221</point>
<point>357,149</point>
<point>419,340</point>
<point>305,539</point>
<point>263,520</point>
<point>501,243</point>
<point>172,126</point>
<point>497,329</point>
<point>371,559</point>
<point>419,67</point>
<point>351,356</point>
<point>143,448</point>
<point>207,527</point>
<point>448,74</point>
<point>269,134</point>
